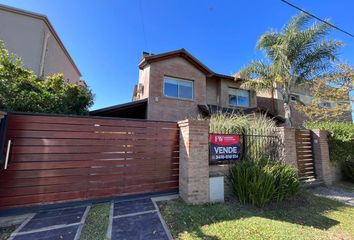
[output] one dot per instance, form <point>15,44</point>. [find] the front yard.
<point>306,217</point>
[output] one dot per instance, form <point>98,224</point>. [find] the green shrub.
<point>341,144</point>
<point>259,182</point>
<point>21,90</point>
<point>348,170</point>
<point>286,181</point>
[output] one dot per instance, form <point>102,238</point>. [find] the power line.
<point>319,19</point>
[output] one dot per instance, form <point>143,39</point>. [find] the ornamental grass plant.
<point>227,123</point>
<point>262,181</point>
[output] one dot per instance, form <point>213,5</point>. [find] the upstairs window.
<point>178,88</point>
<point>294,98</point>
<point>325,105</point>
<point>239,98</point>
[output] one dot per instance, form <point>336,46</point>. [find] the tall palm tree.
<point>299,53</point>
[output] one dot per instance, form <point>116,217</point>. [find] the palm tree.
<point>299,53</point>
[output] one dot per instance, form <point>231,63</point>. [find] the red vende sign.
<point>224,139</point>
<point>224,147</point>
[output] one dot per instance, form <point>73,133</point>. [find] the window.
<point>294,98</point>
<point>178,88</point>
<point>239,98</point>
<point>325,105</point>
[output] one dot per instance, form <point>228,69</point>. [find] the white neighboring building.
<point>32,37</point>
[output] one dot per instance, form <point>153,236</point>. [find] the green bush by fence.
<point>259,182</point>
<point>341,144</point>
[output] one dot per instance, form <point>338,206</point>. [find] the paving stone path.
<point>136,220</point>
<point>62,223</point>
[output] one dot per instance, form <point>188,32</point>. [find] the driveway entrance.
<point>62,223</point>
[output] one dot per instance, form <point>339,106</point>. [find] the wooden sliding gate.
<point>57,159</point>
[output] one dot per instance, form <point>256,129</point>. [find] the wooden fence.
<point>56,159</point>
<point>304,153</point>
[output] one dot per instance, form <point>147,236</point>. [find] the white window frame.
<point>248,93</point>
<point>178,80</point>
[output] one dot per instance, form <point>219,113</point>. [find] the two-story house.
<point>175,85</point>
<point>32,37</point>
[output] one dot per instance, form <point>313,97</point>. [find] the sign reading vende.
<point>224,147</point>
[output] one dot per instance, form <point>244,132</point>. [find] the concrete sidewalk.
<point>335,193</point>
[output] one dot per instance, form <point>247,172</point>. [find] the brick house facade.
<point>173,86</point>
<point>208,88</point>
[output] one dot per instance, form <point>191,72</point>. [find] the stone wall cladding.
<point>194,161</point>
<point>325,170</point>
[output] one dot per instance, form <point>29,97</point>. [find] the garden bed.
<point>96,224</point>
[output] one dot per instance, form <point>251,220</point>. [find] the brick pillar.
<point>2,114</point>
<point>194,161</point>
<point>289,145</point>
<point>325,170</point>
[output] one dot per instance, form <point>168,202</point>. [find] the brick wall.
<point>287,136</point>
<point>298,117</point>
<point>170,109</point>
<point>194,161</point>
<point>207,90</point>
<point>224,89</point>
<point>213,91</point>
<point>325,170</point>
<point>266,103</point>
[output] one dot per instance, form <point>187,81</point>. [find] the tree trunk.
<point>287,111</point>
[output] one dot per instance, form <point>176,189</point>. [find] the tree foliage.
<point>299,53</point>
<point>341,144</point>
<point>333,88</point>
<point>22,90</point>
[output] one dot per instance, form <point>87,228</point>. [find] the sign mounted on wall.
<point>224,148</point>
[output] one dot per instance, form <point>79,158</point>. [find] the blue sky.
<point>106,38</point>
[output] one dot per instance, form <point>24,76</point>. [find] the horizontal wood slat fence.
<point>304,153</point>
<point>56,159</point>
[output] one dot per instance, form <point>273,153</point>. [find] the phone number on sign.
<point>226,157</point>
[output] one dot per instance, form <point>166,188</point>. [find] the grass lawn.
<point>96,223</point>
<point>306,217</point>
<point>5,232</point>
